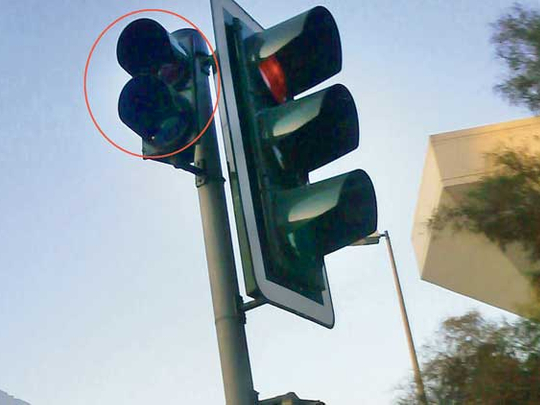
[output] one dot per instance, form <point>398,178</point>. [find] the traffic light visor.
<point>304,50</point>
<point>143,47</point>
<point>334,212</point>
<point>305,134</point>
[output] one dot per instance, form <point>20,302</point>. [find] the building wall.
<point>460,261</point>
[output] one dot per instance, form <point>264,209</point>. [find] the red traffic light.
<point>274,77</point>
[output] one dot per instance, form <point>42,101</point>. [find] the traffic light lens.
<point>274,78</point>
<point>170,128</point>
<point>307,49</point>
<point>148,107</point>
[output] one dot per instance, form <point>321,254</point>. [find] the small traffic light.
<point>166,101</point>
<point>277,137</point>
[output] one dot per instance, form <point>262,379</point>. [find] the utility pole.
<point>227,303</point>
<point>169,111</point>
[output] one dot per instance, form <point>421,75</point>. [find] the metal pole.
<point>416,368</point>
<point>227,302</point>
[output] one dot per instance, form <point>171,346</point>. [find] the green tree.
<point>472,360</point>
<point>517,42</point>
<point>505,205</point>
<point>476,361</point>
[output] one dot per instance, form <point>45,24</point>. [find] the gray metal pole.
<point>228,314</point>
<point>416,368</point>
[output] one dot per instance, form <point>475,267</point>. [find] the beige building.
<point>461,261</point>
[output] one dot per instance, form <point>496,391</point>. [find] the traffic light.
<point>167,100</point>
<point>276,137</point>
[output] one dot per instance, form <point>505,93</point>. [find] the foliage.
<point>475,361</point>
<point>504,205</point>
<point>472,360</point>
<point>517,43</point>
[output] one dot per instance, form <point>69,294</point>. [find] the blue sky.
<point>104,293</point>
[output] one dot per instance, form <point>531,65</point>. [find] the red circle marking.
<point>86,74</point>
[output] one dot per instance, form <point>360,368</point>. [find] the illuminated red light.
<point>274,77</point>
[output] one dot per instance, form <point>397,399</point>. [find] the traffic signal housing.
<point>275,138</point>
<point>167,100</point>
